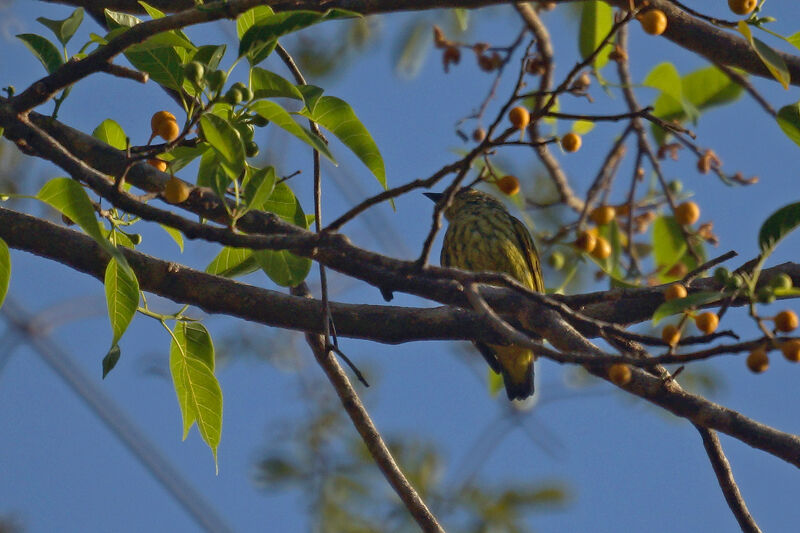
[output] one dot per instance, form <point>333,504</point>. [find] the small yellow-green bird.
<point>482,236</point>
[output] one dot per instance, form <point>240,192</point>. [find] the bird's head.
<point>464,200</point>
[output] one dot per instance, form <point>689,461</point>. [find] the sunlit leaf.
<point>259,187</point>
<point>336,116</point>
<point>771,59</point>
<point>122,297</point>
<point>597,18</point>
<point>281,118</point>
<point>111,133</point>
<point>233,262</point>
<point>191,363</point>
<point>669,245</point>
<point>266,84</point>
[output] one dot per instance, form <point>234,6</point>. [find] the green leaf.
<point>163,64</point>
<point>777,226</point>
<point>285,204</point>
<point>665,78</point>
<point>770,58</point>
<point>233,262</point>
<point>311,95</point>
<point>669,245</point>
<point>597,18</point>
<point>582,127</point>
<point>259,187</point>
<point>115,19</point>
<point>266,84</point>
<point>111,359</point>
<point>281,118</point>
<point>180,156</point>
<point>247,19</point>
<point>64,29</point>
<point>226,141</point>
<point>462,18</point>
<point>198,391</point>
<point>5,270</point>
<point>336,116</point>
<point>679,305</point>
<point>264,32</point>
<point>69,198</point>
<point>209,55</point>
<point>176,235</point>
<point>709,87</point>
<point>794,39</point>
<point>45,51</point>
<point>789,121</point>
<point>122,297</point>
<point>283,267</point>
<point>111,133</point>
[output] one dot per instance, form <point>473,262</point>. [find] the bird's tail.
<point>518,390</point>
<point>516,365</point>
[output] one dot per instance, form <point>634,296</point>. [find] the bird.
<point>482,236</point>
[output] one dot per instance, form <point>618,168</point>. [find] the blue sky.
<point>629,466</point>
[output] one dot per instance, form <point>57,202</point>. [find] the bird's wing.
<point>529,252</point>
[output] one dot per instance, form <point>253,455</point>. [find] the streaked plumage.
<point>482,236</point>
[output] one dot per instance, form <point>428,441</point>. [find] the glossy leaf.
<point>281,118</point>
<point>199,395</point>
<point>596,22</point>
<point>5,270</point>
<point>110,133</point>
<point>233,262</point>
<point>45,51</point>
<point>266,84</point>
<point>789,120</point>
<point>247,19</point>
<point>777,226</point>
<point>226,141</point>
<point>336,116</point>
<point>680,305</point>
<point>122,297</point>
<point>774,62</point>
<point>64,29</point>
<point>69,198</point>
<point>115,19</point>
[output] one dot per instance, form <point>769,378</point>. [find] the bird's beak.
<point>434,196</point>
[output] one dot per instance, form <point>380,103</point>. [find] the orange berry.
<point>675,291</point>
<point>602,249</point>
<point>571,142</point>
<point>619,374</point>
<point>603,214</point>
<point>519,117</point>
<point>671,334</point>
<point>509,185</point>
<point>687,213</point>
<point>707,322</point>
<point>742,7</point>
<point>165,126</point>
<point>176,191</point>
<point>158,164</point>
<point>478,134</point>
<point>678,270</point>
<point>758,361</point>
<point>786,321</point>
<point>654,22</point>
<point>586,242</point>
<point>791,350</point>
